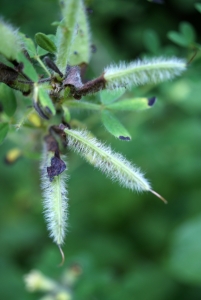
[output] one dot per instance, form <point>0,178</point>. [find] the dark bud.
<point>52,66</point>
<point>151,101</point>
<point>41,112</point>
<point>18,66</point>
<point>7,74</point>
<point>89,10</point>
<point>124,138</point>
<point>51,143</point>
<point>56,168</point>
<point>73,79</point>
<point>93,48</point>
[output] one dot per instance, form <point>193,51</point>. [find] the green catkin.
<point>55,200</point>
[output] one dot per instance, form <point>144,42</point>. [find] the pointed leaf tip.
<point>151,101</point>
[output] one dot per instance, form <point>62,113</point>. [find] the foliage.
<point>129,246</point>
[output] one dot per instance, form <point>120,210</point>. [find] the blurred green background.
<point>128,245</point>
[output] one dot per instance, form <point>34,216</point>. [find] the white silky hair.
<point>55,199</point>
<point>145,71</point>
<point>114,165</point>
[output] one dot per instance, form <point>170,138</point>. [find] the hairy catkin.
<point>114,165</point>
<point>139,72</point>
<point>55,200</point>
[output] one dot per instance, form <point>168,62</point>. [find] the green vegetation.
<point>119,244</point>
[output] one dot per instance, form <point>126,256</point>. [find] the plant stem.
<point>42,65</point>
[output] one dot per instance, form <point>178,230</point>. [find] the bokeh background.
<point>127,245</point>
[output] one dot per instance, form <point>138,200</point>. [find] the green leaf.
<point>66,32</point>
<point>46,101</point>
<point>109,96</point>
<point>132,104</point>
<point>45,42</point>
<point>113,125</point>
<point>66,114</point>
<point>28,67</point>
<point>82,105</point>
<point>177,38</point>
<point>184,260</point>
<point>41,51</point>
<point>4,128</point>
<point>151,41</point>
<point>8,100</point>
<point>188,32</point>
<point>29,45</point>
<point>10,41</point>
<point>198,6</point>
<point>81,46</point>
<point>185,37</point>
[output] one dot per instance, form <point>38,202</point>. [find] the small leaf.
<point>188,32</point>
<point>66,114</point>
<point>177,38</point>
<point>8,100</point>
<point>151,41</point>
<point>45,42</point>
<point>4,128</point>
<point>109,96</point>
<point>198,7</point>
<point>132,104</point>
<point>113,125</point>
<point>41,51</point>
<point>46,101</point>
<point>28,69</point>
<point>29,45</point>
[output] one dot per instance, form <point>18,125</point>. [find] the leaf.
<point>184,259</point>
<point>132,104</point>
<point>108,96</point>
<point>66,114</point>
<point>10,41</point>
<point>28,67</point>
<point>151,41</point>
<point>4,128</point>
<point>113,125</point>
<point>29,45</point>
<point>188,32</point>
<point>66,33</point>
<point>46,101</point>
<point>41,51</point>
<point>8,100</point>
<point>81,46</point>
<point>198,7</point>
<point>177,38</point>
<point>45,42</point>
<point>82,105</point>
